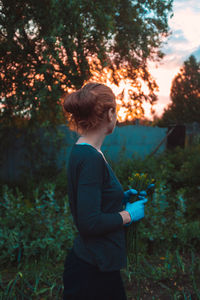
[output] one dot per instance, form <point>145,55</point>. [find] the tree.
<point>185,95</point>
<point>50,46</point>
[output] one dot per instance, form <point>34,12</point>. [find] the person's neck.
<point>96,141</point>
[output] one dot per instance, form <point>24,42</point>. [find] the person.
<point>96,198</point>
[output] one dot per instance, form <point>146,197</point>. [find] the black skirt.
<point>83,281</point>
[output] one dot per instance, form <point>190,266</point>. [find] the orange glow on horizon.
<point>106,77</point>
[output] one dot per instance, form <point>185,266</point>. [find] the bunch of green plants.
<point>164,240</point>
<point>165,223</point>
<point>169,275</point>
<point>33,281</point>
<point>172,215</point>
<point>178,170</point>
<point>35,236</point>
<point>140,182</point>
<point>37,229</point>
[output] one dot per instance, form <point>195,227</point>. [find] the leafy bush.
<point>178,170</point>
<point>165,224</point>
<point>37,228</point>
<point>34,230</point>
<point>172,218</point>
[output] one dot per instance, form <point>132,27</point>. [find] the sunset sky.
<point>184,41</point>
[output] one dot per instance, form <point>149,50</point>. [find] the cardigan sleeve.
<point>90,219</point>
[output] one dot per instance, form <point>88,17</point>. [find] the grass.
<point>38,281</point>
<point>168,276</point>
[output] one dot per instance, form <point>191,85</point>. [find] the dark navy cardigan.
<point>95,198</point>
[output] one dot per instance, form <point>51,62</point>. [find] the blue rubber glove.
<point>143,193</point>
<point>127,195</point>
<point>151,186</point>
<point>136,210</point>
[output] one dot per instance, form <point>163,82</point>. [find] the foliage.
<point>32,281</point>
<point>185,95</point>
<point>181,170</point>
<point>178,170</point>
<point>141,183</point>
<point>171,275</point>
<point>50,46</point>
<point>37,230</point>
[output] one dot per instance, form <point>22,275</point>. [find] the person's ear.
<point>110,114</point>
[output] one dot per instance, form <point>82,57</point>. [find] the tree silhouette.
<point>50,46</point>
<point>185,95</point>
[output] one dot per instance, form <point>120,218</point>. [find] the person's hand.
<point>136,210</point>
<point>127,195</point>
<point>143,193</point>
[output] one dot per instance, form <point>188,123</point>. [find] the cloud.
<point>185,33</point>
<point>183,42</point>
<point>186,20</point>
<point>194,4</point>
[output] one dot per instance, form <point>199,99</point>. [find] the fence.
<point>129,141</point>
